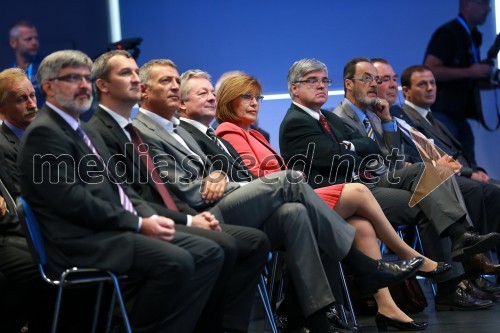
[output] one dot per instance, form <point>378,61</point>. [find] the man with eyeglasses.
<point>454,57</point>
<point>328,151</point>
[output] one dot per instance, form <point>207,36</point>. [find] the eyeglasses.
<point>387,78</point>
<point>367,79</point>
<point>73,78</point>
<point>314,82</point>
<point>250,97</point>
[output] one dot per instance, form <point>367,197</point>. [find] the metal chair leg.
<point>348,300</point>
<point>267,305</point>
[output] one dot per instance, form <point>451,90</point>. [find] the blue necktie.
<point>368,128</point>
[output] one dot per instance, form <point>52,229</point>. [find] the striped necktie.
<point>124,199</point>
<point>368,128</point>
<point>142,150</point>
<point>211,134</point>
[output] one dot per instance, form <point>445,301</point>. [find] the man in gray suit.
<point>293,216</point>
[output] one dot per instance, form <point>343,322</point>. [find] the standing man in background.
<point>23,39</point>
<point>453,55</point>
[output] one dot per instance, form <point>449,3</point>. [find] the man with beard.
<point>89,219</point>
<point>23,39</point>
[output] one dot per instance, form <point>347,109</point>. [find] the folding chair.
<point>71,276</point>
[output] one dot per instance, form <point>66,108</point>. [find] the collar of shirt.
<point>202,128</point>
<point>122,122</point>
<point>423,112</point>
<point>359,113</point>
<point>168,124</point>
<point>311,112</point>
<point>17,130</point>
<point>72,122</point>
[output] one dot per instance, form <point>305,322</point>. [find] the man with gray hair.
<point>89,218</point>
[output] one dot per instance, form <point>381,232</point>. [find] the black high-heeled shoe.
<point>441,268</point>
<point>383,323</point>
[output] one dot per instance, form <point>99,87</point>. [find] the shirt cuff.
<point>189,221</point>
<point>390,126</point>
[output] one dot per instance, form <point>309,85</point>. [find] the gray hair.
<point>224,76</point>
<point>145,70</point>
<point>54,62</point>
<point>301,68</point>
<point>100,70</point>
<point>186,76</point>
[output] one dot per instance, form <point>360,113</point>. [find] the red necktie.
<point>142,150</point>
<point>324,124</point>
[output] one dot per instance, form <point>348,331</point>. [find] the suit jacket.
<point>78,207</point>
<point>187,178</point>
<point>9,224</point>
<point>307,146</point>
<point>230,163</point>
<point>385,140</point>
<point>9,144</point>
<point>443,140</point>
<point>256,151</point>
<point>135,171</point>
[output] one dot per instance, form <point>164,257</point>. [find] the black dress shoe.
<point>485,285</point>
<point>387,274</point>
<point>383,323</point>
<point>441,268</point>
<point>460,300</point>
<point>479,263</point>
<point>472,290</point>
<point>334,318</point>
<point>471,243</point>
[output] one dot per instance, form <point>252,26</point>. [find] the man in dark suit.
<point>24,291</point>
<point>321,142</point>
<point>245,249</point>
<point>419,88</point>
<point>89,218</point>
<point>17,116</point>
<point>292,215</point>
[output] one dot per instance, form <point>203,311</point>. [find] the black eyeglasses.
<point>314,82</point>
<point>250,97</point>
<point>73,78</point>
<point>367,79</point>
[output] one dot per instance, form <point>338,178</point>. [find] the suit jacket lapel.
<point>349,111</point>
<point>117,131</point>
<point>10,136</point>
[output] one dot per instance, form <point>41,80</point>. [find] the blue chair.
<point>71,276</point>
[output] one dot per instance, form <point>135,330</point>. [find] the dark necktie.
<point>368,128</point>
<point>124,199</point>
<point>142,150</point>
<point>324,124</point>
<point>211,134</point>
<point>431,119</point>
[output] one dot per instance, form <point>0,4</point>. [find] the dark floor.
<point>484,321</point>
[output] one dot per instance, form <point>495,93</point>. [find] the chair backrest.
<point>32,232</point>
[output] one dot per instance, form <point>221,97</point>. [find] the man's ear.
<point>102,85</point>
<point>405,91</point>
<point>348,84</point>
<point>144,93</point>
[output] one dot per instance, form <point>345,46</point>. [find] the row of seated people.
<point>191,229</point>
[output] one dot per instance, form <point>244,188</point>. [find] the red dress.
<point>261,159</point>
